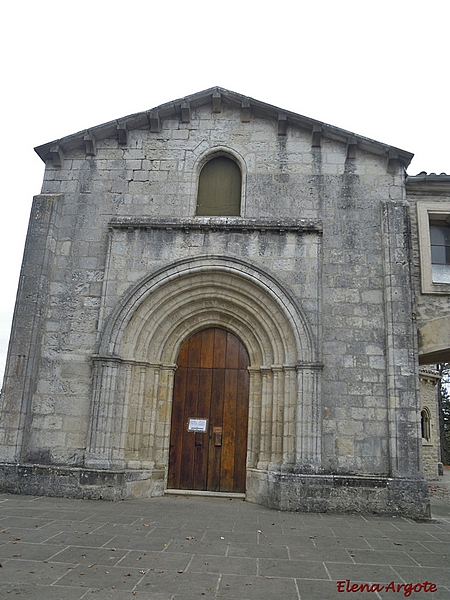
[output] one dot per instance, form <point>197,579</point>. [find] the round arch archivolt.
<point>134,370</point>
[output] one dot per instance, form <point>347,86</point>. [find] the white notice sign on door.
<point>196,424</point>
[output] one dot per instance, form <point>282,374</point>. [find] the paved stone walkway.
<point>181,548</point>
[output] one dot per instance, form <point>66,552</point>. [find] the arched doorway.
<point>134,372</point>
<point>208,439</point>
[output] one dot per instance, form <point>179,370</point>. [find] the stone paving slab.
<point>181,548</point>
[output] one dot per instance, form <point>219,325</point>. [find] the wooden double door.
<point>208,439</point>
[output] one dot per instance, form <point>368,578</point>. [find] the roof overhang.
<point>424,182</point>
<point>216,96</point>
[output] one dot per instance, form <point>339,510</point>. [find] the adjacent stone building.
<point>429,422</point>
<point>219,295</point>
<point>429,199</point>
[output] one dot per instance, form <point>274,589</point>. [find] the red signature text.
<point>406,588</point>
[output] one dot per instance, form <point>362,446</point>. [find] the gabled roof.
<point>216,97</point>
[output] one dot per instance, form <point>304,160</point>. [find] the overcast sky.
<point>379,69</point>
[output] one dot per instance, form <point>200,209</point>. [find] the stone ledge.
<point>79,482</point>
<point>339,493</point>
<point>280,491</point>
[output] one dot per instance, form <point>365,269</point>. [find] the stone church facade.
<point>218,295</point>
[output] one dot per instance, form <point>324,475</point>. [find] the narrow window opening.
<point>219,188</point>
<point>425,424</point>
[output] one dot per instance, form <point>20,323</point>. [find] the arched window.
<point>219,188</point>
<point>425,424</point>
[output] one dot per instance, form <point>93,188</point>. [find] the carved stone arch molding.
<point>134,370</point>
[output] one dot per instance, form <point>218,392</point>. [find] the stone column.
<point>135,421</point>
<point>278,401</point>
<point>119,449</point>
<point>401,342</point>
<point>102,422</point>
<point>266,418</point>
<point>164,398</point>
<point>150,417</point>
<point>254,416</point>
<point>309,425</point>
<point>289,417</point>
<point>140,393</point>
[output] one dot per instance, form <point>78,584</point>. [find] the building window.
<point>425,424</point>
<point>440,251</point>
<point>219,188</point>
<point>434,245</point>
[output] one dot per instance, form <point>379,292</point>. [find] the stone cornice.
<point>427,372</point>
<point>220,224</point>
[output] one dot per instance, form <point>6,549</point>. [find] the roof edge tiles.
<point>424,182</point>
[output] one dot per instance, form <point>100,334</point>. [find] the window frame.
<point>236,176</point>
<point>201,162</point>
<point>428,212</point>
<point>425,425</point>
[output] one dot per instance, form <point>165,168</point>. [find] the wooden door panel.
<point>232,356</point>
<point>201,440</point>
<point>229,431</point>
<point>206,359</point>
<point>195,350</point>
<point>183,355</point>
<point>188,438</point>
<point>216,418</point>
<point>211,382</point>
<point>220,348</point>
<point>176,433</point>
